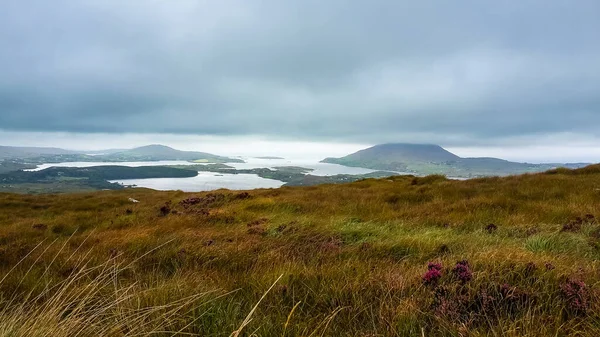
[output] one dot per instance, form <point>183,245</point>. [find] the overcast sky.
<point>476,75</point>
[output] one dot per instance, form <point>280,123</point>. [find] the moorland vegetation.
<point>398,256</point>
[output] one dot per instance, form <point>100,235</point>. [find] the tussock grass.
<point>90,301</point>
<point>349,260</point>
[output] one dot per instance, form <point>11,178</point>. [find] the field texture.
<point>404,256</point>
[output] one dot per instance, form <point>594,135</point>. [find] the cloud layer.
<point>448,72</point>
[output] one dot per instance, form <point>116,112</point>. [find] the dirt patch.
<point>40,226</point>
<point>257,222</point>
<point>205,201</point>
<point>576,224</point>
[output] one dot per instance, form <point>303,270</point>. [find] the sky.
<point>515,79</point>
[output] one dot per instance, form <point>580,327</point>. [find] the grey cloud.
<point>441,71</point>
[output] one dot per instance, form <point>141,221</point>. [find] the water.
<point>205,181</point>
<point>101,163</point>
<point>208,181</point>
<point>320,169</point>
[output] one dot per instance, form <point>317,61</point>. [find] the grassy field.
<point>404,256</point>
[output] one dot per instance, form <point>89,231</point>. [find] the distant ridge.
<point>161,152</point>
<point>401,152</point>
<point>425,159</point>
<point>152,152</point>
<point>27,152</point>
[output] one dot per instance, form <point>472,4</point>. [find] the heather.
<point>400,256</point>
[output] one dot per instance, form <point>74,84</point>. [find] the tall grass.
<point>349,260</point>
<point>91,301</point>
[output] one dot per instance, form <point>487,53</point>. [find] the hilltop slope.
<point>400,256</point>
<point>145,153</point>
<point>426,159</point>
<point>10,152</point>
<point>161,152</point>
<point>398,153</point>
<point>394,156</point>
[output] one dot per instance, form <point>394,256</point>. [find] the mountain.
<point>425,159</point>
<point>33,155</point>
<point>162,152</point>
<point>9,152</point>
<point>394,155</point>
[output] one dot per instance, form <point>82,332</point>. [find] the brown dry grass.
<point>352,257</point>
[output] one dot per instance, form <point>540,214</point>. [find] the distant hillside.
<point>104,151</point>
<point>394,155</point>
<point>144,153</point>
<point>161,152</point>
<point>433,159</point>
<point>28,152</point>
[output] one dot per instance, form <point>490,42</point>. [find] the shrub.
<point>433,274</point>
<point>514,299</point>
<point>462,271</point>
<point>491,228</point>
<point>165,209</point>
<point>576,296</point>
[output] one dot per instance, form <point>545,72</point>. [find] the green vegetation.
<point>74,179</point>
<point>291,175</point>
<point>401,256</point>
<point>424,159</point>
<point>82,179</point>
<point>12,165</point>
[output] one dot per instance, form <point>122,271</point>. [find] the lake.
<point>205,181</point>
<point>101,163</point>
<point>208,181</point>
<point>320,169</point>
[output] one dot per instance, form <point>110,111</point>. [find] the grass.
<point>328,260</point>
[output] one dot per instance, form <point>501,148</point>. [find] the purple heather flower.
<point>576,295</point>
<point>434,265</point>
<point>433,274</point>
<point>462,271</point>
<point>432,277</point>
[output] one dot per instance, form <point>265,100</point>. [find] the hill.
<point>11,152</point>
<point>401,256</point>
<point>33,155</point>
<point>423,159</point>
<point>396,153</point>
<point>161,152</point>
